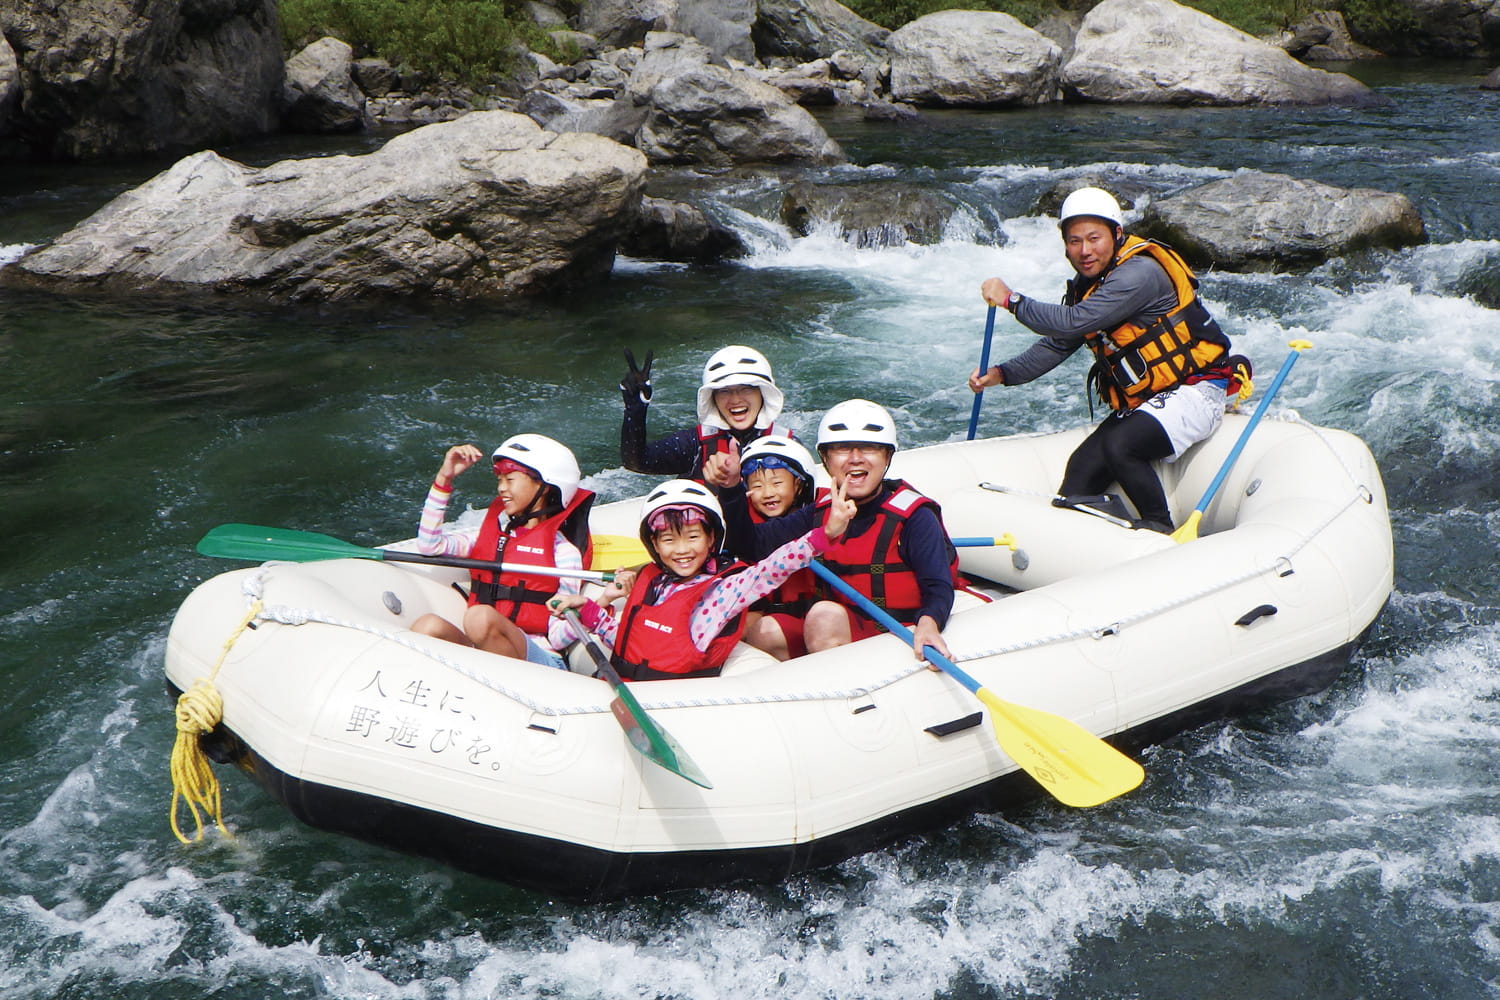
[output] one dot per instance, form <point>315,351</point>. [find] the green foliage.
<point>468,40</point>
<point>1257,17</point>
<point>1381,23</point>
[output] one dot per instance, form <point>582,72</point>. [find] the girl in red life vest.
<point>539,517</point>
<point>685,611</point>
<point>778,477</point>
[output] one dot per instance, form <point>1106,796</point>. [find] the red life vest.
<point>872,563</point>
<point>716,441</point>
<point>653,641</point>
<point>522,597</point>
<point>796,594</point>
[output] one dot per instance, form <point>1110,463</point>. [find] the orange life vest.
<point>1134,362</point>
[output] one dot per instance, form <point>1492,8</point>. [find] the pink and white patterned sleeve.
<point>736,593</point>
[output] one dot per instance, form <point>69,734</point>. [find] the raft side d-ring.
<point>1284,567</point>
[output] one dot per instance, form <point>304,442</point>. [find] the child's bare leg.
<point>492,632</point>
<point>826,626</point>
<point>440,628</point>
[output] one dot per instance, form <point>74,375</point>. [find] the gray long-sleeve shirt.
<point>1138,290</point>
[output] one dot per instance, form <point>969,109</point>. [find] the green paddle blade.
<point>653,742</point>
<point>1073,764</point>
<point>650,740</point>
<point>259,543</point>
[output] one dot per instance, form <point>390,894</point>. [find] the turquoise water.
<point>1341,846</point>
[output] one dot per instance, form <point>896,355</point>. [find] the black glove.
<point>636,385</point>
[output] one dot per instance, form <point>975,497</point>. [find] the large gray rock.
<point>1159,52</point>
<point>972,57</point>
<point>10,86</point>
<point>664,55</point>
<point>320,94</point>
<point>722,25</point>
<point>718,117</point>
<point>1450,29</point>
<point>129,78</point>
<point>699,113</point>
<point>1259,221</point>
<point>1322,36</point>
<point>812,29</point>
<point>619,120</point>
<point>620,23</point>
<point>869,214</point>
<point>488,206</point>
<point>677,231</point>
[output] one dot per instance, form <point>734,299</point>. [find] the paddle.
<point>984,366</point>
<point>653,742</point>
<point>251,541</point>
<point>1073,764</point>
<point>1189,529</point>
<point>980,541</point>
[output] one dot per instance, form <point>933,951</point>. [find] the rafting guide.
<point>1161,363</point>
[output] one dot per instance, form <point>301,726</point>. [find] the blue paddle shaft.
<point>891,625</point>
<point>984,366</point>
<point>1239,446</point>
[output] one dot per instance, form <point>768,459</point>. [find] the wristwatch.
<point>1012,301</point>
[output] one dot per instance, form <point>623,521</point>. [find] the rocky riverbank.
<point>705,87</point>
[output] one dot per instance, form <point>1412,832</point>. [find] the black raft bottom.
<point>571,871</point>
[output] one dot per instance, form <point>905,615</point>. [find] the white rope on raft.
<point>281,614</point>
<point>1362,494</point>
<point>285,615</point>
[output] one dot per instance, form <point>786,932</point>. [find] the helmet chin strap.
<point>538,508</point>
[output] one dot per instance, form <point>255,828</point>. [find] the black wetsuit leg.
<point>1121,450</point>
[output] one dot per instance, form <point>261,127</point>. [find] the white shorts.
<point>1188,413</point>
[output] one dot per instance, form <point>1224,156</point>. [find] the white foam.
<point>12,252</point>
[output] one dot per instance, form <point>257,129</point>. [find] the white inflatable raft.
<point>520,773</point>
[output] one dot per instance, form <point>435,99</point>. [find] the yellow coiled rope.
<point>199,710</point>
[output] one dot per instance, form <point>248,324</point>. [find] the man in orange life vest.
<point>540,518</point>
<point>895,552</point>
<point>1161,363</point>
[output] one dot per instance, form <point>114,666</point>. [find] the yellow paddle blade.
<point>612,552</point>
<point>1189,529</point>
<point>1073,764</point>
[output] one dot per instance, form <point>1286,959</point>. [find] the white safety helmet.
<point>775,446</point>
<point>551,460</point>
<point>737,365</point>
<point>857,421</point>
<point>678,493</point>
<point>1091,201</point>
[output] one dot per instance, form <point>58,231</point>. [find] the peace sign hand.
<point>636,385</point>
<point>841,511</point>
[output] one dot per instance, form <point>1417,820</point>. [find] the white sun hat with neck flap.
<point>737,365</point>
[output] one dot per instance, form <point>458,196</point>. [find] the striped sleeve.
<point>565,555</point>
<point>434,538</point>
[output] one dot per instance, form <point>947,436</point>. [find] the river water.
<point>1342,846</point>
